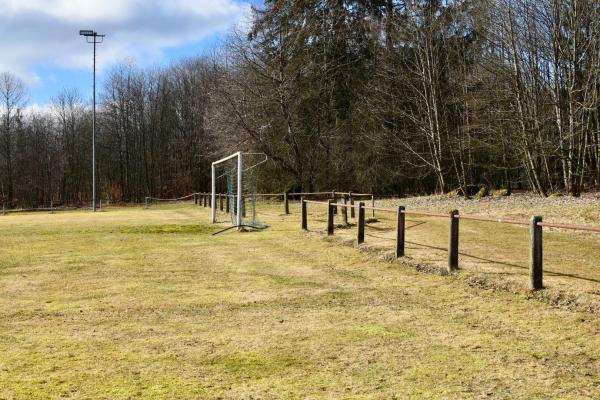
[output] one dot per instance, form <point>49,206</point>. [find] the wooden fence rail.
<point>536,225</point>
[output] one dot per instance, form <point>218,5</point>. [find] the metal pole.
<point>213,210</point>
<point>94,134</point>
<point>239,191</point>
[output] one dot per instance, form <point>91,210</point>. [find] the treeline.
<point>387,96</point>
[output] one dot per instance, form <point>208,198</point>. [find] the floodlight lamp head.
<point>87,32</point>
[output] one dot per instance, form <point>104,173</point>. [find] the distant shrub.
<point>455,193</point>
<point>472,190</point>
<point>501,193</point>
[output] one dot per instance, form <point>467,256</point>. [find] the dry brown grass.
<point>133,303</point>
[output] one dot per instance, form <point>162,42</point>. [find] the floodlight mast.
<point>95,39</point>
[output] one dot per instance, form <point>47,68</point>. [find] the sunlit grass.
<point>136,303</point>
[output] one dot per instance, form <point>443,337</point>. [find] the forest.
<point>393,97</point>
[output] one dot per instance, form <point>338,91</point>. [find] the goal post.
<point>239,191</point>
<point>239,173</point>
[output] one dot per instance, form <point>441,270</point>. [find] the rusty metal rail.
<point>568,226</point>
<point>494,220</point>
<point>316,202</point>
<point>463,217</point>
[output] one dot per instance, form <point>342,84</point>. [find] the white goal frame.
<point>239,187</point>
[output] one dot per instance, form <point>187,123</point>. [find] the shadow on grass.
<point>496,262</point>
<point>486,260</point>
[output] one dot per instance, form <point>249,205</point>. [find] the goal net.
<point>234,182</point>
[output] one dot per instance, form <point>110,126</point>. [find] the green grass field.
<point>132,303</point>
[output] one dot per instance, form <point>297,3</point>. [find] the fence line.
<point>51,207</point>
<point>536,225</point>
<point>204,198</point>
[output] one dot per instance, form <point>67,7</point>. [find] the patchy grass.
<point>170,228</point>
<point>106,306</point>
<point>495,252</point>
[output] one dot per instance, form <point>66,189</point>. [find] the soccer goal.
<point>233,193</point>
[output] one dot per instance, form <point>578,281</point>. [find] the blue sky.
<point>40,41</point>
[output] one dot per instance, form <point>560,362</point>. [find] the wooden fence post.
<point>146,202</point>
<point>373,204</point>
<point>360,235</point>
<point>536,271</point>
<point>3,208</point>
<point>453,242</point>
<point>204,200</point>
<point>330,217</point>
<point>243,206</point>
<point>304,214</point>
<point>286,203</point>
<point>351,198</point>
<point>345,211</point>
<point>220,202</point>
<point>195,199</point>
<point>227,202</point>
<point>401,229</point>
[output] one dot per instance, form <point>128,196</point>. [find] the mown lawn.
<point>134,303</point>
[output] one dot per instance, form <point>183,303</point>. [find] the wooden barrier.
<point>453,242</point>
<point>400,231</point>
<point>536,224</point>
<point>536,257</point>
<point>304,214</point>
<point>373,205</point>
<point>286,204</point>
<point>360,234</point>
<point>536,231</point>
<point>330,213</point>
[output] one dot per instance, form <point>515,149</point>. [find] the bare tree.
<point>12,100</point>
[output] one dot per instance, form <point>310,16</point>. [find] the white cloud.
<point>37,109</point>
<point>44,33</point>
